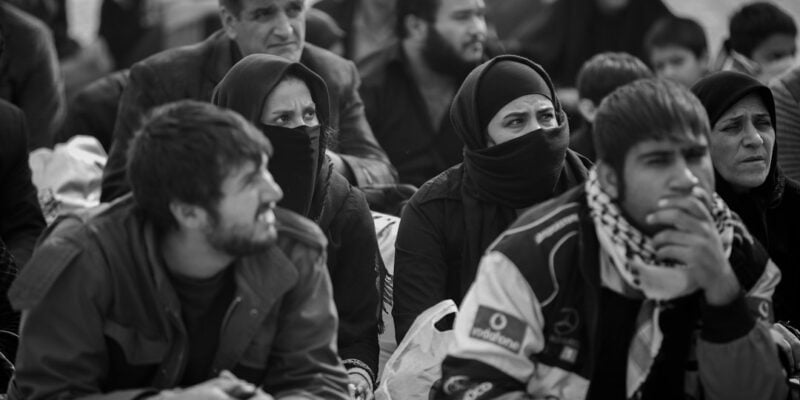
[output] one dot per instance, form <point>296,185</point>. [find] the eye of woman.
<point>309,113</point>
<point>282,119</point>
<point>515,120</point>
<point>546,115</point>
<point>762,122</point>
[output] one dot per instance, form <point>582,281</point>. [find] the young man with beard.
<point>195,286</point>
<point>640,284</point>
<point>407,88</point>
<point>274,27</point>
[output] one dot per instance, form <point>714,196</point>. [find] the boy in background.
<point>677,50</point>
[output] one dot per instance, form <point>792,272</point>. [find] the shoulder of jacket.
<point>339,74</point>
<point>374,67</point>
<point>446,185</point>
<point>545,223</point>
<point>177,61</point>
<point>63,242</point>
<point>295,229</point>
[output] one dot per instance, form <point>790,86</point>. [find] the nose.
<point>477,27</point>
<point>283,26</point>
<point>668,71</point>
<point>684,179</point>
<point>270,190</point>
<point>751,136</point>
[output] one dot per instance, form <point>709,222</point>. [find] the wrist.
<point>723,289</point>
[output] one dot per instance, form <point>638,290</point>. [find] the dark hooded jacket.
<point>448,224</point>
<point>338,208</point>
<point>771,211</point>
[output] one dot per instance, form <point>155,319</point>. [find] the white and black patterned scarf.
<point>629,264</point>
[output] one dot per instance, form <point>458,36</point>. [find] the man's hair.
<point>604,72</point>
<point>648,109</point>
<point>755,23</point>
<point>679,32</point>
<point>233,6</point>
<point>183,152</point>
<point>423,9</point>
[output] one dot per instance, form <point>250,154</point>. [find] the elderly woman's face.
<point>522,115</point>
<point>290,105</point>
<point>741,144</point>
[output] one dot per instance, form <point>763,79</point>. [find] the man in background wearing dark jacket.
<point>250,26</point>
<point>195,286</point>
<point>408,87</point>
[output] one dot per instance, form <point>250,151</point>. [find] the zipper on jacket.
<point>228,313</point>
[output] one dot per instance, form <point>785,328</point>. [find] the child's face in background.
<point>678,64</point>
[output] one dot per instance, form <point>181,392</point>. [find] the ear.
<point>188,216</point>
<point>229,21</point>
<point>587,109</point>
<point>608,178</point>
<point>416,27</point>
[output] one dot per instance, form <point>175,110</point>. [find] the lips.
<point>754,159</point>
<point>265,213</point>
<point>282,45</point>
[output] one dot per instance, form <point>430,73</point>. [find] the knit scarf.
<point>632,269</point>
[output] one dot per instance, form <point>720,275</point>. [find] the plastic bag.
<point>386,232</point>
<point>417,362</point>
<point>68,177</point>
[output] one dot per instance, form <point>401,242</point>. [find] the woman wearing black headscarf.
<point>744,152</point>
<point>515,156</point>
<point>289,103</point>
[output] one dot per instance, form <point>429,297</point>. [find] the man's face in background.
<point>455,41</point>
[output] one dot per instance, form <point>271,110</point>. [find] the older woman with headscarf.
<point>743,149</point>
<point>515,156</point>
<point>289,103</point>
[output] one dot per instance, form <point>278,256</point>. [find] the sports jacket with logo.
<point>527,327</point>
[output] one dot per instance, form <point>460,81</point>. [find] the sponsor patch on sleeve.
<point>497,327</point>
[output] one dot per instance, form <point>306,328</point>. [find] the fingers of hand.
<point>679,219</point>
<point>791,339</point>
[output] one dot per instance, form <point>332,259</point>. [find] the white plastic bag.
<point>68,177</point>
<point>386,232</point>
<point>417,362</point>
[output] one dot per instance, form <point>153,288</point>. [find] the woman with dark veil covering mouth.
<point>289,103</point>
<point>515,138</point>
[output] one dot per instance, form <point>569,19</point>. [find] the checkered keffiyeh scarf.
<point>633,259</point>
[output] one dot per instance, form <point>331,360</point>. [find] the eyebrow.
<point>656,153</point>
<point>517,114</point>
<point>736,118</point>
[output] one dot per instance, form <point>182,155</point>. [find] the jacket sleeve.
<point>420,267</point>
<point>497,333</point>
<point>22,220</point>
<point>141,94</point>
<point>357,145</point>
<point>42,94</point>
<point>737,358</point>
<point>303,360</point>
<point>357,267</point>
<point>62,350</point>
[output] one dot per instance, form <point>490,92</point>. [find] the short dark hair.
<point>647,109</point>
<point>604,72</point>
<point>183,152</point>
<point>423,9</point>
<point>233,6</point>
<point>676,31</point>
<point>756,22</point>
